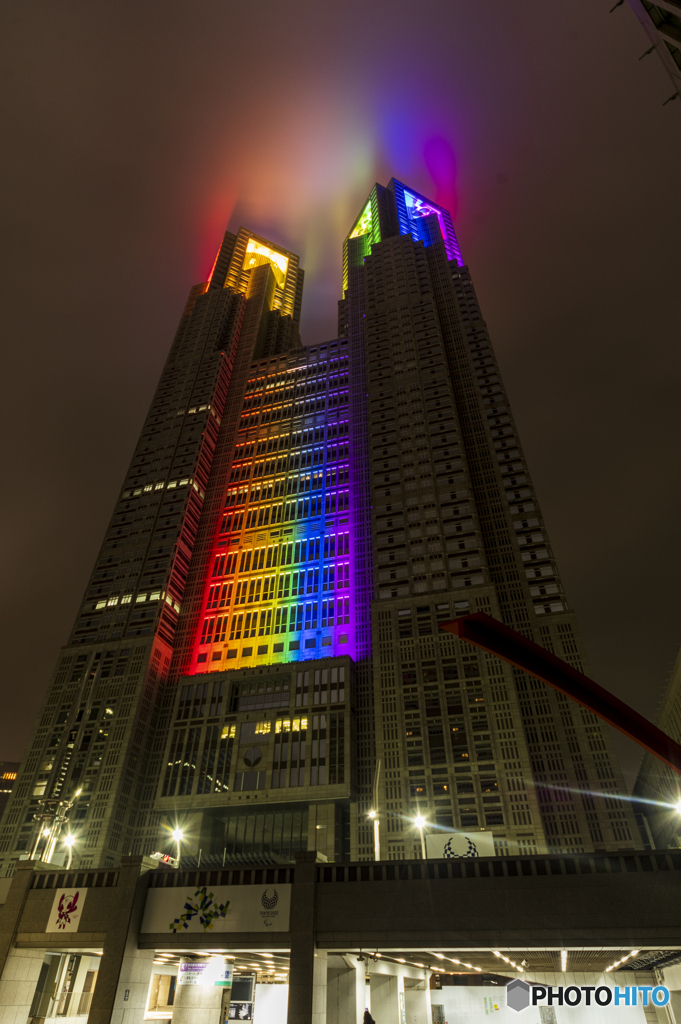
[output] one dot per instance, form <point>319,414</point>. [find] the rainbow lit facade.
<point>280,585</point>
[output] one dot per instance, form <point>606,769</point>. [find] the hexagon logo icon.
<point>518,995</point>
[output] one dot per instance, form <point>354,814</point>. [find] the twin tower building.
<point>261,626</point>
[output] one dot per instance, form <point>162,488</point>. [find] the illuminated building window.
<point>219,595</point>
<point>337,502</point>
<point>207,632</point>
<point>224,565</point>
<point>290,725</point>
<point>310,616</point>
<point>258,254</point>
<point>250,625</point>
<point>327,613</point>
<point>265,626</point>
<point>363,225</point>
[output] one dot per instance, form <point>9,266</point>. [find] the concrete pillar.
<point>18,984</point>
<point>385,1007</point>
<point>125,972</point>
<point>198,1004</point>
<point>362,991</point>
<point>13,908</point>
<point>307,978</point>
<point>319,987</point>
<point>19,968</point>
<point>417,1005</point>
<point>346,993</point>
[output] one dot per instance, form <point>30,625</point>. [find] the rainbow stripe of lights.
<point>281,578</point>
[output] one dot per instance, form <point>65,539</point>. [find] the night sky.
<point>134,133</point>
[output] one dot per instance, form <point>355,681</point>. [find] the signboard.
<point>67,907</point>
<point>219,908</point>
<point>205,972</point>
<point>193,973</point>
<point>456,845</point>
<point>223,978</point>
<point>240,1011</point>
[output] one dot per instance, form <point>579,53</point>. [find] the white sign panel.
<point>192,974</point>
<point>205,972</point>
<point>455,845</point>
<point>219,908</point>
<point>67,907</point>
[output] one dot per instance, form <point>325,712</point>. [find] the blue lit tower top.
<point>397,210</point>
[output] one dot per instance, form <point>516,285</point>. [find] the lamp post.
<point>178,836</point>
<point>420,821</point>
<point>69,840</point>
<point>373,813</point>
<point>52,816</point>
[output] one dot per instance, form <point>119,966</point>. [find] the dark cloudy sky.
<point>133,133</point>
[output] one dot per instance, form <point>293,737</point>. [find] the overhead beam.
<point>494,637</point>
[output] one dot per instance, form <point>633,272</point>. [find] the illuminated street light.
<point>373,816</point>
<point>69,840</point>
<point>420,822</point>
<point>677,807</point>
<point>373,813</point>
<point>178,836</point>
<point>52,815</point>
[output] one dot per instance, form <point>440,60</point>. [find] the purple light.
<point>417,207</point>
<point>440,160</point>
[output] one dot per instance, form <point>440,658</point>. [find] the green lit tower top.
<point>393,210</point>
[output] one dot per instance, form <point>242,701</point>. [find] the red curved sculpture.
<point>491,635</point>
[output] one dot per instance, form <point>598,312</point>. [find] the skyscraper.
<point>261,626</point>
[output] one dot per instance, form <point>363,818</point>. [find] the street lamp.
<point>69,840</point>
<point>373,814</point>
<point>178,836</point>
<point>677,807</point>
<point>420,821</point>
<point>52,816</point>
